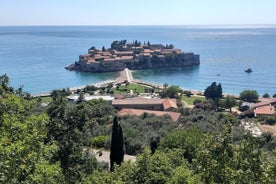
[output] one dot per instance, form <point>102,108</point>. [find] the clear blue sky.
<point>138,12</point>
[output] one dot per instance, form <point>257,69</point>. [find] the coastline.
<point>127,76</point>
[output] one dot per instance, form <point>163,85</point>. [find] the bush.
<point>187,93</point>
<point>249,113</point>
<point>197,101</point>
<point>249,96</point>
<point>266,95</point>
<point>139,131</point>
<point>99,141</point>
<point>271,120</point>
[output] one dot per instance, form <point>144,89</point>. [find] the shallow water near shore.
<point>36,56</point>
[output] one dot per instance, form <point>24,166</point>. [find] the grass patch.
<point>136,88</point>
<point>190,100</point>
<point>44,99</point>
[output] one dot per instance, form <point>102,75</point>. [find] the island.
<point>133,55</point>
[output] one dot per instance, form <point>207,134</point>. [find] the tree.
<point>117,146</point>
<point>24,155</point>
<point>213,92</point>
<point>229,102</point>
<point>4,85</point>
<point>249,95</point>
<point>171,92</point>
<point>68,128</point>
<point>266,95</point>
<point>188,140</point>
<point>165,85</point>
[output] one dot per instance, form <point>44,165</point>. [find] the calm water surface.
<point>36,56</point>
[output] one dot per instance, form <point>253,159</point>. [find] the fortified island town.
<point>134,56</point>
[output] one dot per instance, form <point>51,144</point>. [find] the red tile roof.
<point>167,103</point>
<point>137,112</point>
<point>265,110</point>
<point>265,106</point>
<point>264,102</point>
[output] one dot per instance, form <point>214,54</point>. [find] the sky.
<point>136,12</point>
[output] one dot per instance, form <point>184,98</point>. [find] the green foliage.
<point>135,88</point>
<point>47,173</point>
<point>192,100</point>
<point>161,167</point>
<point>117,145</point>
<point>187,93</point>
<point>139,131</point>
<point>171,92</point>
<point>229,102</point>
<point>22,147</point>
<point>90,89</point>
<point>118,45</point>
<point>188,140</point>
<point>99,141</point>
<point>268,119</point>
<point>249,96</point>
<point>4,85</point>
<point>266,95</point>
<point>60,93</point>
<point>46,99</point>
<point>71,127</point>
<point>207,147</point>
<point>213,91</point>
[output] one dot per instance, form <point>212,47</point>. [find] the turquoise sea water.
<point>36,56</point>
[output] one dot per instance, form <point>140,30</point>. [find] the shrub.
<point>249,113</point>
<point>99,141</point>
<point>249,95</point>
<point>266,95</point>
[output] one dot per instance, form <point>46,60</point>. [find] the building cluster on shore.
<point>133,55</point>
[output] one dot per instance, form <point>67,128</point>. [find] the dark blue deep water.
<point>36,56</point>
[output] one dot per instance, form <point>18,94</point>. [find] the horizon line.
<point>153,25</point>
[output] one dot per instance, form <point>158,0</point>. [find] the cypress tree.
<point>117,147</point>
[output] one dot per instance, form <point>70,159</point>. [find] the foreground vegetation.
<point>53,144</point>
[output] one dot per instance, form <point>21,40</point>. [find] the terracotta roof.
<point>264,102</point>
<point>266,110</point>
<point>110,59</point>
<point>148,51</point>
<point>124,52</point>
<point>167,103</point>
<point>138,101</point>
<point>137,112</point>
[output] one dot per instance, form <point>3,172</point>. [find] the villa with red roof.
<point>265,106</point>
<point>139,105</point>
<point>144,103</point>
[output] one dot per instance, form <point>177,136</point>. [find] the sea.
<point>35,56</point>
